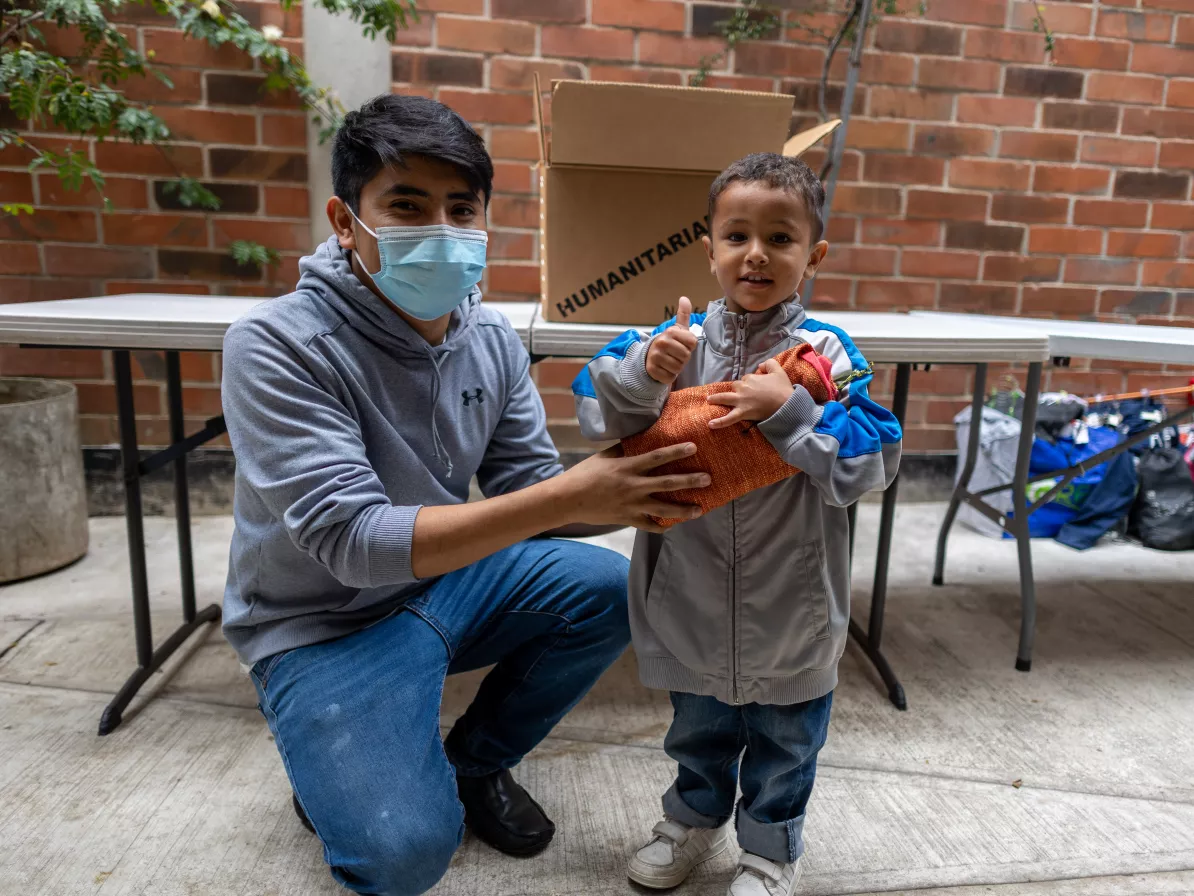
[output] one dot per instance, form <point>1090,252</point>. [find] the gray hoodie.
<point>345,422</point>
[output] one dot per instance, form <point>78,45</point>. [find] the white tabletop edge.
<point>159,321</point>
<point>185,322</point>
<point>1095,339</point>
<point>883,337</point>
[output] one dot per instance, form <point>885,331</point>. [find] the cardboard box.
<point>624,187</point>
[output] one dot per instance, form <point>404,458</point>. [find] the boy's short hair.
<point>779,173</point>
<point>390,127</point>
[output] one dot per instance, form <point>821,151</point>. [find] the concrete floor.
<point>188,798</point>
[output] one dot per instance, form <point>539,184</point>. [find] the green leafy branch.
<point>247,253</point>
<point>73,168</point>
<point>192,194</point>
<point>754,20</point>
<point>751,21</point>
<point>375,17</point>
<point>50,90</point>
<point>82,94</point>
<point>1040,26</point>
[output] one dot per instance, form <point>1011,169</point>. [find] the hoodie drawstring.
<point>441,450</point>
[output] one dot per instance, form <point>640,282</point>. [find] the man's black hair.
<point>779,173</point>
<point>389,128</point>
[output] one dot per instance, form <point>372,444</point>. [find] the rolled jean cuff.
<point>780,841</point>
<point>674,805</point>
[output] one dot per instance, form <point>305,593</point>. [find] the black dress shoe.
<point>501,813</point>
<point>302,816</point>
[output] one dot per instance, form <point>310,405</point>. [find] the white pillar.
<point>337,55</point>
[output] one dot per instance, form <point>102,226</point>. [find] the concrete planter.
<point>43,499</point>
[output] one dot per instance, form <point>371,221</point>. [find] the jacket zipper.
<point>739,358</point>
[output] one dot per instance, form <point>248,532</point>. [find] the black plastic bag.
<point>1055,412</point>
<point>1163,515</point>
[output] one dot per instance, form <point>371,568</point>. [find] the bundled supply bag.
<point>995,464</point>
<point>1134,415</point>
<point>1056,413</point>
<point>1105,508</point>
<point>1163,515</point>
<point>1048,519</point>
<point>739,458</point>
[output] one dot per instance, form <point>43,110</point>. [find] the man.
<point>360,407</point>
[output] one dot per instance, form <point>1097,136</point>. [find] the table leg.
<point>887,515</point>
<point>148,659</point>
<point>963,484</point>
<point>1019,522</point>
<point>182,498</point>
<point>130,460</point>
<point>871,640</point>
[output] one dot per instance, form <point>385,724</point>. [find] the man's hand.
<point>610,489</point>
<point>756,396</point>
<point>672,348</point>
<point>605,489</point>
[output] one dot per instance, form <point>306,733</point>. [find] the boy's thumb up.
<point>684,313</point>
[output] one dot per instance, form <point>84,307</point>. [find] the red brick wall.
<point>248,148</point>
<point>981,175</point>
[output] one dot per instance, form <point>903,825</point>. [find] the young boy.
<point>742,614</point>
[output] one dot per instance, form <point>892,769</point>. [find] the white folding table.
<point>157,322</point>
<point>1066,339</point>
<point>172,323</point>
<point>883,338</point>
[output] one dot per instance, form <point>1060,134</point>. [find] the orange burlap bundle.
<point>738,458</point>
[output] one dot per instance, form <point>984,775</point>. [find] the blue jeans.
<point>356,719</point>
<point>707,738</point>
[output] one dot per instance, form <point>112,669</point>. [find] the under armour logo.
<point>476,395</point>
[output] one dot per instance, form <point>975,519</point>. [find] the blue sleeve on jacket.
<point>617,349</point>
<point>847,447</point>
<point>866,426</point>
<point>615,397</point>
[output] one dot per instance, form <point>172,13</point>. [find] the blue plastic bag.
<point>1106,507</point>
<point>1047,520</point>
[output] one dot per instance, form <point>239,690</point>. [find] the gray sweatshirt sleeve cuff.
<point>632,371</point>
<point>793,421</point>
<point>390,538</point>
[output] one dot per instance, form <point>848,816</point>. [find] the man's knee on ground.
<point>605,586</point>
<point>409,857</point>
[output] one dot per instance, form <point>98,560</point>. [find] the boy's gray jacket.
<point>751,602</point>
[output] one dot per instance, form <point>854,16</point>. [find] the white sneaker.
<point>761,877</point>
<point>672,853</point>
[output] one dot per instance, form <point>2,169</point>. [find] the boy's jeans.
<point>781,742</point>
<point>356,719</point>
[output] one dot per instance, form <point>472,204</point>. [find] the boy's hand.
<point>756,396</point>
<point>672,348</point>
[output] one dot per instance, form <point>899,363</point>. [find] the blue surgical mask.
<point>427,271</point>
